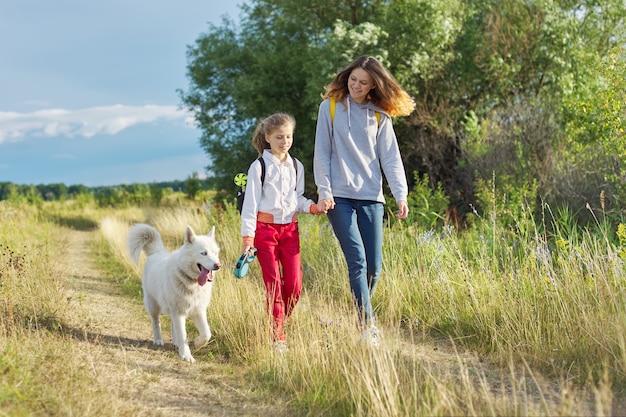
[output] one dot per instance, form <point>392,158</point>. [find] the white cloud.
<point>83,122</point>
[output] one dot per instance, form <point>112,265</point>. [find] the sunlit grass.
<point>487,321</point>
<point>519,303</point>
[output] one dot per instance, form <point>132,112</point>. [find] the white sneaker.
<point>280,346</point>
<point>370,337</point>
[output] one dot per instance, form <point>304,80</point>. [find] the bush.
<point>427,207</point>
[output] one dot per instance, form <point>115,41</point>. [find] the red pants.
<point>278,252</point>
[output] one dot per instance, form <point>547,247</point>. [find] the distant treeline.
<point>104,195</point>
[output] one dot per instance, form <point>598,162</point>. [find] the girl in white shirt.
<point>269,219</point>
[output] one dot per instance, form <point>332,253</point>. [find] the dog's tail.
<point>143,237</point>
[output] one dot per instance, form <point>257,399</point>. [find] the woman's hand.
<point>403,210</point>
<point>325,205</point>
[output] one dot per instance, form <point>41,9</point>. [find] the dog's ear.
<point>190,236</point>
<point>212,232</point>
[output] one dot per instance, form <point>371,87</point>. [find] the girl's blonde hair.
<point>386,94</point>
<point>267,126</point>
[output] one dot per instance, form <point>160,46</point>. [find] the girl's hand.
<point>248,242</point>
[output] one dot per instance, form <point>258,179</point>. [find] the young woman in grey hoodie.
<point>354,145</point>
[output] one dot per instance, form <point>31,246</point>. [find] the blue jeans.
<point>358,224</point>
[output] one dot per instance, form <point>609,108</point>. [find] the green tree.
<point>455,57</point>
<point>78,189</point>
<point>52,192</point>
<point>594,161</point>
<point>8,191</point>
<point>279,60</point>
<point>192,186</point>
<point>156,194</point>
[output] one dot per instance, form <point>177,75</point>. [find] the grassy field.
<point>488,321</point>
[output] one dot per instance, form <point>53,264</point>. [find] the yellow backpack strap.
<point>377,118</point>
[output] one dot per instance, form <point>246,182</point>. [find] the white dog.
<point>177,283</point>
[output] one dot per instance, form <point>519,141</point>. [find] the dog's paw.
<point>189,359</point>
<point>185,354</point>
<point>201,341</point>
<point>158,342</point>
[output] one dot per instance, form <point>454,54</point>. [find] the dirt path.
<point>115,337</point>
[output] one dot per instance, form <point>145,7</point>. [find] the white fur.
<point>171,285</point>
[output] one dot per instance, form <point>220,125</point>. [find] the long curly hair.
<point>267,126</point>
<point>386,94</point>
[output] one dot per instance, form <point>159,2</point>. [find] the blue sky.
<point>88,90</point>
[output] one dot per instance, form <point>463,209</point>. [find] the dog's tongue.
<point>205,275</point>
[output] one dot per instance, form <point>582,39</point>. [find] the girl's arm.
<point>250,209</point>
<point>305,205</point>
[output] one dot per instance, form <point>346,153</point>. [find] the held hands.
<point>322,206</point>
<point>325,205</point>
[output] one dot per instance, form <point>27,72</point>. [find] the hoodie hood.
<point>369,106</point>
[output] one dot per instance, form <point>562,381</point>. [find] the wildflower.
<point>621,233</point>
<point>562,244</point>
<point>448,229</point>
<point>551,279</point>
<point>542,253</point>
<point>425,237</point>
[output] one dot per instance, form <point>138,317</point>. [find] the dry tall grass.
<point>488,322</point>
<point>463,335</point>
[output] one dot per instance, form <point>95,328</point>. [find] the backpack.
<point>241,180</point>
<point>333,104</point>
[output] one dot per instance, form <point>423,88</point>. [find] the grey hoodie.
<point>350,152</point>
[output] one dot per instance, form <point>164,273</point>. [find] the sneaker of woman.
<point>370,337</point>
